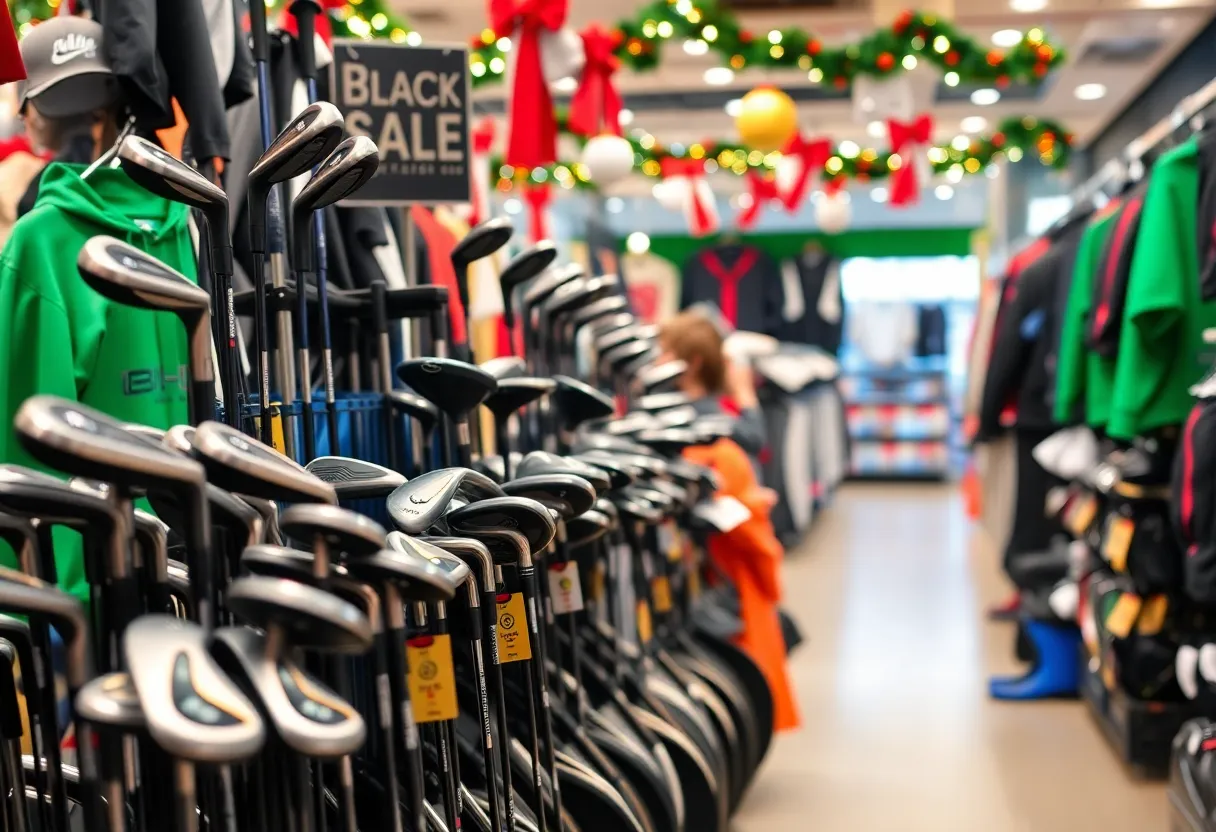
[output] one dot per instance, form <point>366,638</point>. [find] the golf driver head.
<point>579,402</point>
<point>192,709</point>
<point>542,463</point>
<point>482,240</point>
<point>354,479</point>
<point>516,393</point>
<point>342,530</point>
<point>454,387</point>
<point>548,283</point>
<point>419,503</point>
<point>416,407</point>
<point>241,464</point>
<point>305,141</point>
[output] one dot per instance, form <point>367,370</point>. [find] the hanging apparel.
<point>59,337</point>
<point>1032,529</point>
<point>1207,219</point>
<point>653,286</point>
<point>813,303</point>
<point>11,67</point>
<point>1161,352</point>
<point>884,333</point>
<point>231,51</point>
<point>1114,270</point>
<point>742,281</point>
<point>931,330</point>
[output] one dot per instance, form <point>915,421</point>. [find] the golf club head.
<point>504,514</point>
<point>413,547</point>
<point>523,267</point>
<point>635,509</point>
<point>126,275</point>
<point>619,474</point>
<point>146,431</point>
<point>658,402</point>
<point>152,535</point>
<point>492,465</point>
<point>482,240</point>
<point>620,357</point>
<point>342,530</point>
<point>85,442</point>
<point>548,283</point>
<point>630,424</point>
<point>586,528</point>
<point>179,438</point>
<point>192,709</point>
<point>308,617</point>
<point>542,463</point>
<point>472,552</point>
<point>516,393</point>
<point>611,339</point>
<point>408,568</point>
<point>165,175</point>
<point>602,308</point>
<point>26,595</point>
<point>454,387</point>
<point>669,441</point>
<point>574,296</point>
<point>629,369</point>
<point>578,402</point>
<point>21,537</point>
<point>303,143</point>
<point>677,493</point>
<point>419,503</point>
<point>662,378</point>
<point>416,407</point>
<point>227,510</point>
<point>505,366</point>
<point>111,701</point>
<point>354,479</point>
<point>347,169</point>
<point>659,499</point>
<point>55,502</point>
<point>241,464</point>
<point>270,561</point>
<point>677,417</point>
<point>605,326</point>
<point>567,494</point>
<point>16,632</point>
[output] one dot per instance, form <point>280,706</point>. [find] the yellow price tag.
<point>645,624</point>
<point>432,678</point>
<point>1123,617</point>
<point>513,644</point>
<point>1152,615</point>
<point>277,439</point>
<point>660,590</point>
<point>598,579</point>
<point>1080,515</point>
<point>1119,531</point>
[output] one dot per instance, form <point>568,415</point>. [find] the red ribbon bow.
<point>762,190</point>
<point>533,139</point>
<point>483,135</point>
<point>596,101</point>
<point>324,29</point>
<point>909,136</point>
<point>701,218</point>
<point>538,198</point>
<point>814,153</point>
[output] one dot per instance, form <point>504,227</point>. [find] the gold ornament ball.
<point>767,120</point>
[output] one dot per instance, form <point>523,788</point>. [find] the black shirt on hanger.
<point>741,280</point>
<point>1114,270</point>
<point>817,316</point>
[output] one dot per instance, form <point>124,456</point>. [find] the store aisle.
<point>898,733</point>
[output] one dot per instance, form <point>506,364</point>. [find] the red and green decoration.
<point>1014,139</point>
<point>913,38</point>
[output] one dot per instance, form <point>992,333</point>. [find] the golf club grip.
<point>202,401</point>
<point>305,12</point>
<point>407,732</point>
<point>261,40</point>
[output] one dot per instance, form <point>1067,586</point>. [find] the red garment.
<point>11,67</point>
<point>439,244</point>
<point>729,278</point>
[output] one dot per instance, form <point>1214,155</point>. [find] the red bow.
<point>761,189</point>
<point>814,153</point>
<point>324,29</point>
<point>907,139</point>
<point>596,101</point>
<point>538,198</point>
<point>533,139</point>
<point>834,185</point>
<point>670,167</point>
<point>482,138</point>
<point>702,219</point>
<point>483,135</point>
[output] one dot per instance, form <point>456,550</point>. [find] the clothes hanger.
<point>110,157</point>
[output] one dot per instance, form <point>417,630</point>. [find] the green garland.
<point>1015,138</point>
<point>913,37</point>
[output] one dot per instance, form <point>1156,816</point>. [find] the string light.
<point>665,29</point>
<point>941,44</point>
<point>710,33</point>
<point>909,62</point>
<point>774,37</point>
<point>951,79</point>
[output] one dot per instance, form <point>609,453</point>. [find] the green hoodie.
<point>58,336</point>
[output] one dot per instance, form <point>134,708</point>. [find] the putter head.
<point>84,442</point>
<point>308,616</point>
<point>578,402</point>
<point>416,407</point>
<point>454,387</point>
<point>163,174</point>
<point>586,528</point>
<point>505,366</point>
<point>548,283</point>
<point>517,393</point>
<point>662,378</point>
<point>419,503</point>
<point>523,267</point>
<point>192,709</point>
<point>407,567</point>
<point>239,463</point>
<point>567,494</point>
<point>342,530</point>
<point>542,463</point>
<point>111,701</point>
<point>658,402</point>
<point>504,514</point>
<point>306,140</point>
<point>602,308</point>
<point>619,474</point>
<point>354,479</point>
<point>347,169</point>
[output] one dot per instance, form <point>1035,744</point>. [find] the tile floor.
<point>898,734</point>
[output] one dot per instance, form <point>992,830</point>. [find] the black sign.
<point>413,102</point>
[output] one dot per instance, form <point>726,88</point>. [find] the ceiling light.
<point>734,107</point>
<point>879,195</point>
<point>718,76</point>
<point>1090,92</point>
<point>695,46</point>
<point>985,97</point>
<point>973,124</point>
<point>625,117</point>
<point>943,192</point>
<point>614,205</point>
<point>1006,38</point>
<point>512,206</point>
<point>637,243</point>
<point>1027,5</point>
<point>876,129</point>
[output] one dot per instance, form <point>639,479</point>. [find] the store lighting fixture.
<point>943,192</point>
<point>961,142</point>
<point>879,194</point>
<point>973,124</point>
<point>637,243</point>
<point>625,117</point>
<point>1006,38</point>
<point>876,129</point>
<point>1028,5</point>
<point>734,107</point>
<point>719,76</point>
<point>512,206</point>
<point>1090,92</point>
<point>985,97</point>
<point>614,205</point>
<point>695,46</point>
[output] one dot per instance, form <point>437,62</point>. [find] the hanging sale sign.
<point>413,102</point>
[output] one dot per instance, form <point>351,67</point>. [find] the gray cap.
<point>67,71</point>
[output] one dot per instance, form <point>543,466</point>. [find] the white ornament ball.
<point>833,213</point>
<point>609,159</point>
<point>562,55</point>
<point>670,193</point>
<point>786,173</point>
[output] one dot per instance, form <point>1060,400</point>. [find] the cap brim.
<point>74,95</point>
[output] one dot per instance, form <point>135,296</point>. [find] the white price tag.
<point>566,589</point>
<point>724,513</point>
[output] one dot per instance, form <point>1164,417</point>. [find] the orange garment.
<point>750,556</point>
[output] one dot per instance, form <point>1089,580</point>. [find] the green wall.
<point>903,242</point>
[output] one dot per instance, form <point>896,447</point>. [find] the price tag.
<point>513,644</point>
<point>1152,615</point>
<point>1123,617</point>
<point>660,590</point>
<point>1079,516</point>
<point>565,588</point>
<point>599,575</point>
<point>277,440</point>
<point>645,624</point>
<point>724,513</point>
<point>432,678</point>
<point>1118,541</point>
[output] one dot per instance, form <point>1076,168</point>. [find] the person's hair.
<point>79,138</point>
<point>692,337</point>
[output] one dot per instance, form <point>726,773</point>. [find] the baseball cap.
<point>67,74</point>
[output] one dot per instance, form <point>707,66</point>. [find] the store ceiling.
<point>1121,44</point>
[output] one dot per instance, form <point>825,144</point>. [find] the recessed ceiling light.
<point>734,107</point>
<point>1006,38</point>
<point>1090,92</point>
<point>1027,5</point>
<point>973,124</point>
<point>876,129</point>
<point>985,97</point>
<point>625,117</point>
<point>943,192</point>
<point>718,76</point>
<point>879,194</point>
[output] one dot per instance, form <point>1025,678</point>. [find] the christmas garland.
<point>1014,138</point>
<point>912,38</point>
